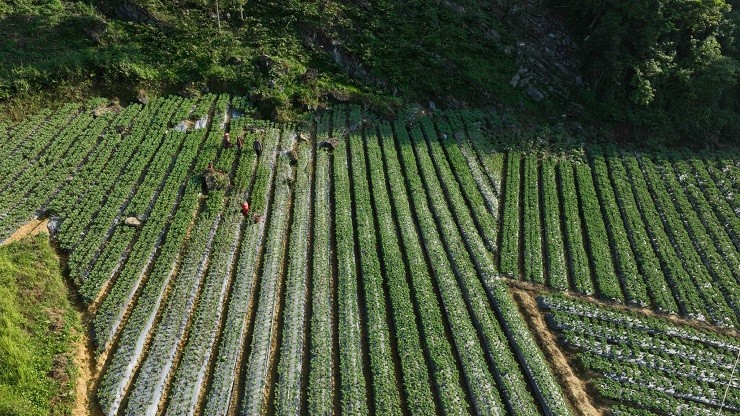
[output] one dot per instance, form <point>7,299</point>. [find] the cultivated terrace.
<point>353,264</point>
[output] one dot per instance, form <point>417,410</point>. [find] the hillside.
<point>627,76</point>
<point>374,271</point>
<point>427,207</point>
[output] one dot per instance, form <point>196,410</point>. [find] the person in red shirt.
<point>245,208</point>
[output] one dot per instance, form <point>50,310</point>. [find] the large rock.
<point>536,94</point>
<point>132,12</point>
<point>132,222</point>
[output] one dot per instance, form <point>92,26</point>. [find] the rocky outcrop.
<point>131,12</point>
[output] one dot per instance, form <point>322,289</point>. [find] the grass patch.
<point>38,326</point>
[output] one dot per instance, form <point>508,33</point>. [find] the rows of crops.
<point>653,230</point>
<point>365,279</point>
<point>649,365</point>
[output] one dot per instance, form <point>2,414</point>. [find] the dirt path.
<point>574,388</point>
<point>87,366</point>
<point>30,228</point>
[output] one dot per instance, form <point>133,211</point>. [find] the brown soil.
<point>575,389</point>
<point>32,227</point>
<point>87,375</point>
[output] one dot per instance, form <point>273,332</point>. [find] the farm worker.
<point>227,140</point>
<point>245,208</point>
<point>240,142</point>
<point>257,146</point>
<point>210,167</point>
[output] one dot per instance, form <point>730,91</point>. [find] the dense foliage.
<point>668,65</point>
<point>289,56</point>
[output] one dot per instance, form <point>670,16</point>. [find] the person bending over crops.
<point>257,146</point>
<point>240,142</point>
<point>245,208</point>
<point>227,140</point>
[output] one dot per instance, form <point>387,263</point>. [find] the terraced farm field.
<point>372,273</point>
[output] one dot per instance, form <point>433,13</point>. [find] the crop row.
<point>133,335</point>
<point>86,228</point>
<point>473,268</point>
<point>353,390</point>
<point>649,265</point>
<point>579,267</point>
<point>265,340</point>
<point>509,255</point>
<point>532,227</point>
<point>631,279</point>
<point>97,257</point>
<point>728,217</point>
<point>321,375</point>
<point>644,333</point>
<point>703,209</point>
<point>607,283</point>
<point>72,193</point>
<point>155,367</point>
<point>511,327</point>
<point>56,143</point>
<point>143,253</point>
<point>101,258</point>
<point>138,202</point>
<point>386,396</point>
<point>188,382</point>
<point>85,237</point>
<point>557,268</point>
<point>485,186</point>
<point>18,136</point>
<point>222,390</point>
<point>680,225</point>
<point>482,215</point>
<point>705,250</point>
<point>78,215</point>
<point>440,352</point>
<point>30,190</point>
<point>492,160</point>
<point>482,388</point>
<point>292,347</point>
<point>430,333</point>
<point>722,167</point>
<point>647,361</point>
<point>680,282</point>
<point>34,141</point>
